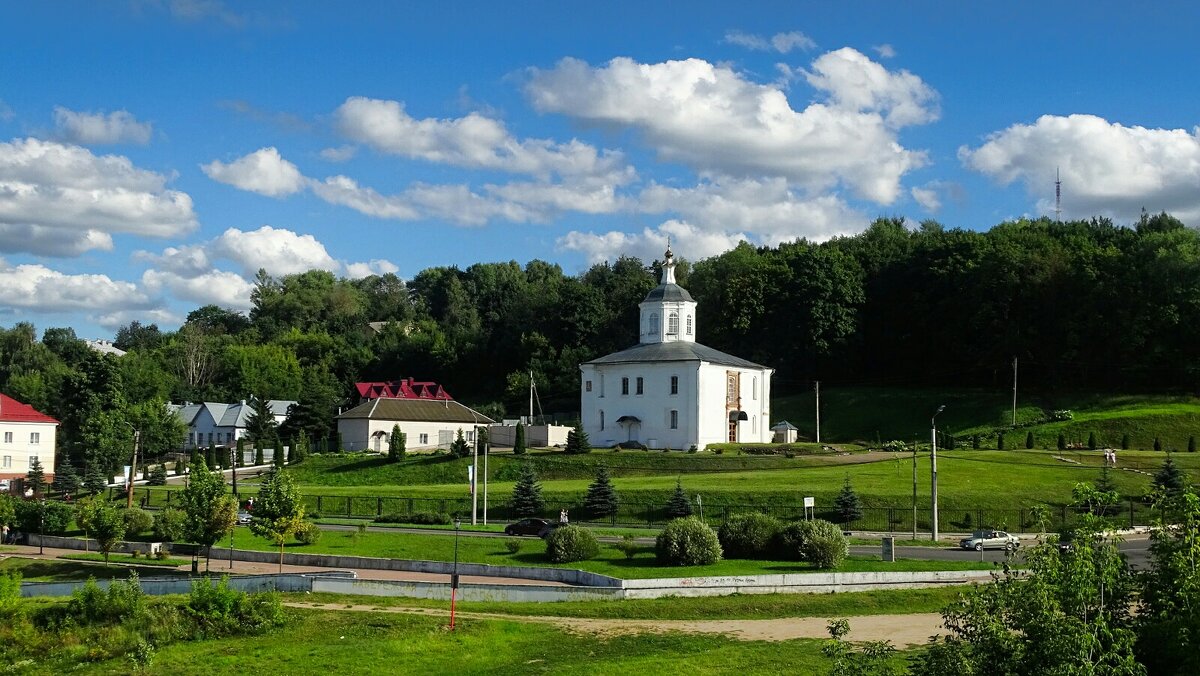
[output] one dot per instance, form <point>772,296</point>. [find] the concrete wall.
<point>466,592</point>
<point>59,542</point>
<point>797,583</point>
<point>176,585</point>
<point>535,435</point>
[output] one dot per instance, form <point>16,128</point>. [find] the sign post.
<point>809,508</point>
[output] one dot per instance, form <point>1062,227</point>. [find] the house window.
<point>601,420</point>
<point>673,324</point>
<point>32,459</point>
<point>602,385</point>
<point>754,388</point>
<point>654,324</point>
<point>639,385</point>
<point>8,437</point>
<point>35,437</point>
<point>674,384</point>
<point>210,438</point>
<point>674,420</point>
<point>624,385</point>
<point>424,439</point>
<point>689,325</point>
<point>7,461</point>
<point>731,389</point>
<point>470,436</point>
<point>587,386</point>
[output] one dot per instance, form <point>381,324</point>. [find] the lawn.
<point>127,559</point>
<point>43,570</point>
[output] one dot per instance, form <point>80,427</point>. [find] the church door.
<point>733,431</point>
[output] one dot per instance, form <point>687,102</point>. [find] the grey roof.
<point>416,410</point>
<point>668,292</point>
<point>784,425</point>
<point>227,415</point>
<point>678,350</point>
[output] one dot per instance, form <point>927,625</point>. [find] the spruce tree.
<point>459,448</point>
<point>601,499</point>
<point>299,449</point>
<point>1029,440</point>
<point>94,480</point>
<point>1192,444</point>
<point>1000,441</point>
<point>1125,442</point>
<point>35,478</point>
<point>1157,444</point>
<point>519,440</point>
<point>158,475</point>
<point>240,459</point>
<point>1105,482</point>
<point>527,493</point>
<point>577,440</point>
<point>1170,478</point>
<point>396,445</point>
<point>278,455</point>
<point>195,455</point>
<point>258,453</point>
<point>848,505</point>
<point>210,457</point>
<point>65,478</point>
<point>1062,441</point>
<point>975,441</point>
<point>1092,441</point>
<point>678,506</point>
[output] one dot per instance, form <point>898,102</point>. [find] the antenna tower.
<point>1057,196</point>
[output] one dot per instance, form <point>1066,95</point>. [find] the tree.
<point>601,499</point>
<point>260,424</point>
<point>278,455</point>
<point>1168,616</point>
<point>396,445</point>
<point>1029,439</point>
<point>35,478</point>
<point>211,512</point>
<point>1000,441</point>
<point>1192,444</point>
<point>519,440</point>
<point>299,449</point>
<point>158,475</point>
<point>1105,482</point>
<point>577,440</point>
<point>527,493</point>
<point>258,453</point>
<point>107,526</point>
<point>848,505</point>
<point>459,448</point>
<point>8,510</point>
<point>1092,441</point>
<point>239,459</point>
<point>1125,441</point>
<point>278,510</point>
<point>1157,444</point>
<point>94,480</point>
<point>678,505</point>
<point>1170,479</point>
<point>66,481</point>
<point>1062,441</point>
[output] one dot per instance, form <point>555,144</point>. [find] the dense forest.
<point>1085,304</point>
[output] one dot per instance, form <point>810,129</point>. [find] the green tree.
<point>848,506</point>
<point>459,448</point>
<point>8,510</point>
<point>1169,478</point>
<point>299,449</point>
<point>94,480</point>
<point>577,440</point>
<point>1105,482</point>
<point>1125,441</point>
<point>278,455</point>
<point>107,526</point>
<point>211,512</point>
<point>527,493</point>
<point>1157,444</point>
<point>1092,441</point>
<point>158,475</point>
<point>278,510</point>
<point>35,478</point>
<point>259,458</point>
<point>1168,617</point>
<point>519,441</point>
<point>240,454</point>
<point>1029,439</point>
<point>601,499</point>
<point>396,445</point>
<point>1000,441</point>
<point>260,424</point>
<point>678,505</point>
<point>66,480</point>
<point>1062,441</point>
<point>1192,444</point>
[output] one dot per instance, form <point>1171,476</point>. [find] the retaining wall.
<point>797,583</point>
<point>466,592</point>
<point>178,585</point>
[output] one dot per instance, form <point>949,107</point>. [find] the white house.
<point>25,434</point>
<point>427,424</point>
<point>216,424</point>
<point>669,391</point>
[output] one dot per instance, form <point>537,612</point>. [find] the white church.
<point>669,391</point>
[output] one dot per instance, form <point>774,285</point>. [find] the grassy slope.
<point>36,570</point>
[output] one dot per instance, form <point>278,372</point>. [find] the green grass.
<point>44,570</point>
<point>322,642</point>
<point>493,527</point>
<point>735,607</point>
<point>125,558</point>
<point>610,561</point>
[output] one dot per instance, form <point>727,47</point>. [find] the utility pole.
<point>933,470</point>
<point>530,396</point>
<point>1014,408</point>
<point>914,504</point>
<point>132,471</point>
<point>818,389</point>
<point>474,482</point>
<point>486,443</point>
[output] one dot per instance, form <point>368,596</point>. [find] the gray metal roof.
<point>674,351</point>
<point>416,410</point>
<point>784,425</point>
<point>668,292</point>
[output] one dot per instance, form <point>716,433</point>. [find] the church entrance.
<point>732,431</point>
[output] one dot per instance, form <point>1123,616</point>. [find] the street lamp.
<point>933,469</point>
<point>132,467</point>
<point>42,529</point>
<point>454,575</point>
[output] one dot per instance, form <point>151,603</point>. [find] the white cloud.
<point>263,171</point>
<point>649,244</point>
<point>474,141</point>
<point>885,51</point>
<point>339,154</point>
<point>68,200</point>
<point>186,261</point>
<point>199,10</point>
<point>718,122</point>
<point>345,191</point>
<point>928,198</point>
<point>216,287</point>
<point>1107,168</point>
<point>780,42</point>
<point>99,129</point>
<point>36,287</point>
<point>6,112</point>
<point>376,266</point>
<point>278,250</point>
<point>119,318</point>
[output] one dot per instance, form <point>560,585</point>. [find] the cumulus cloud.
<point>339,154</point>
<point>885,51</point>
<point>263,171</point>
<point>1106,168</point>
<point>375,266</point>
<point>36,287</point>
<point>780,42</point>
<point>649,244</point>
<point>474,141</point>
<point>345,191</point>
<point>187,261</point>
<point>64,200</point>
<point>928,198</point>
<point>278,250</point>
<point>718,122</point>
<point>99,129</point>
<point>215,287</point>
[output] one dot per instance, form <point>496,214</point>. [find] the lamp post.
<point>42,529</point>
<point>933,470</point>
<point>454,575</point>
<point>132,467</point>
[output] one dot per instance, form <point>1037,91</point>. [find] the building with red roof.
<point>25,434</point>
<point>408,388</point>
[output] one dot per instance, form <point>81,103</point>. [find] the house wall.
<point>755,388</point>
<point>535,435</point>
<point>360,434</point>
<point>16,454</point>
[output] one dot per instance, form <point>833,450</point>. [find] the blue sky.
<point>155,153</point>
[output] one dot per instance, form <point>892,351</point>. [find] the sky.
<point>154,154</point>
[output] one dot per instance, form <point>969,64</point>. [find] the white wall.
<point>535,435</point>
<point>358,434</point>
<point>15,455</point>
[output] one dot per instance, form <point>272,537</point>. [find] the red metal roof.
<point>12,410</point>
<point>403,389</point>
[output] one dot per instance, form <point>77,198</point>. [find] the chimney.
<point>243,402</point>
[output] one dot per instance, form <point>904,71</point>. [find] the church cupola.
<point>668,312</point>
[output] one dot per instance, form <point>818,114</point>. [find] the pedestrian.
<point>562,516</point>
<point>4,534</point>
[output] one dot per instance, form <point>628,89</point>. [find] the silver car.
<point>990,539</point>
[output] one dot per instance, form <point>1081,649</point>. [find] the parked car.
<point>1066,542</point>
<point>526,527</point>
<point>243,517</point>
<point>550,528</point>
<point>990,539</point>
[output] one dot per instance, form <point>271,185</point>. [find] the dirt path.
<point>901,630</point>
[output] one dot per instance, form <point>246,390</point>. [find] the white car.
<point>243,518</point>
<point>990,539</point>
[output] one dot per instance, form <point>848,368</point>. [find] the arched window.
<point>689,325</point>
<point>673,324</point>
<point>654,324</point>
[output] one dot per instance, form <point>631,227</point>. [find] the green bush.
<point>571,543</point>
<point>124,600</point>
<point>220,611</point>
<point>169,524</point>
<point>137,521</point>
<point>628,546</point>
<point>687,542</point>
<point>10,592</point>
<point>421,518</point>
<point>749,535</point>
<point>28,512</point>
<point>512,546</point>
<point>309,533</point>
<point>822,544</point>
<point>789,541</point>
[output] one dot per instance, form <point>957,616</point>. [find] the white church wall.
<point>653,407</point>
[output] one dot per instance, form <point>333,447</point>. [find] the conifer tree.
<point>1000,441</point>
<point>210,457</point>
<point>1125,442</point>
<point>519,440</point>
<point>65,478</point>
<point>527,493</point>
<point>240,458</point>
<point>278,455</point>
<point>1105,482</point>
<point>94,480</point>
<point>678,506</point>
<point>975,441</point>
<point>1092,441</point>
<point>601,499</point>
<point>1192,444</point>
<point>396,445</point>
<point>848,505</point>
<point>1157,444</point>
<point>35,478</point>
<point>258,453</point>
<point>459,448</point>
<point>1029,439</point>
<point>577,440</point>
<point>1062,441</point>
<point>299,449</point>
<point>1170,478</point>
<point>157,475</point>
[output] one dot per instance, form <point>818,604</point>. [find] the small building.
<point>427,424</point>
<point>25,435</point>
<point>216,424</point>
<point>105,347</point>
<point>785,432</point>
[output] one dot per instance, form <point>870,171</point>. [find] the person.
<point>4,534</point>
<point>562,516</point>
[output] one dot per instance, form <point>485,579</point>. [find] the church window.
<point>654,323</point>
<point>624,385</point>
<point>673,324</point>
<point>731,389</point>
<point>639,385</point>
<point>601,384</point>
<point>754,424</point>
<point>689,325</point>
<point>674,420</point>
<point>601,420</point>
<point>754,387</point>
<point>587,386</point>
<point>674,384</point>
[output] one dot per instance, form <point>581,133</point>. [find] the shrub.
<point>789,541</point>
<point>10,592</point>
<point>692,448</point>
<point>749,535</point>
<point>687,542</point>
<point>163,553</point>
<point>420,518</point>
<point>309,533</point>
<point>124,600</point>
<point>1062,441</point>
<point>512,546</point>
<point>219,610</point>
<point>1029,440</point>
<point>823,544</point>
<point>28,513</point>
<point>170,525</point>
<point>628,546</point>
<point>137,521</point>
<point>571,543</point>
<point>1062,415</point>
<point>975,441</point>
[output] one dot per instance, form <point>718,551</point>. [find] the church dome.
<point>668,292</point>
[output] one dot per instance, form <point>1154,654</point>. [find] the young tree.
<point>35,478</point>
<point>1029,439</point>
<point>527,493</point>
<point>261,424</point>
<point>258,453</point>
<point>66,481</point>
<point>158,475</point>
<point>577,440</point>
<point>1157,444</point>
<point>94,480</point>
<point>107,526</point>
<point>1105,482</point>
<point>211,512</point>
<point>459,448</point>
<point>601,499</point>
<point>299,449</point>
<point>1192,444</point>
<point>396,445</point>
<point>1125,442</point>
<point>1092,441</point>
<point>278,456</point>
<point>678,505</point>
<point>975,441</point>
<point>1000,441</point>
<point>1062,441</point>
<point>1168,618</point>
<point>240,454</point>
<point>519,441</point>
<point>1170,479</point>
<point>848,505</point>
<point>278,510</point>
